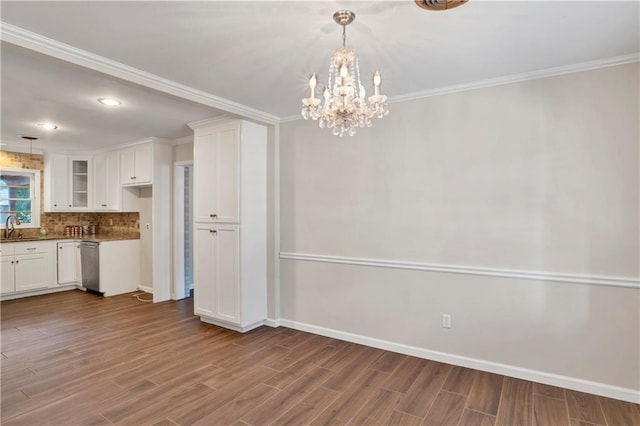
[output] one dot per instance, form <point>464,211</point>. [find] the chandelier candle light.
<point>345,107</point>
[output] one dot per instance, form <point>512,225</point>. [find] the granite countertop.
<point>100,237</point>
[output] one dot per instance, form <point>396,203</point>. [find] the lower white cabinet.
<point>217,296</point>
<point>8,273</point>
<point>226,291</point>
<point>119,266</point>
<point>69,265</point>
<point>28,266</point>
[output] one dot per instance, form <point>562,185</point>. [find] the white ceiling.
<point>259,55</point>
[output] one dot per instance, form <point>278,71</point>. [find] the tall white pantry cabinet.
<point>230,223</point>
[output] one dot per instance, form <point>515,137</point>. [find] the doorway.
<point>183,229</point>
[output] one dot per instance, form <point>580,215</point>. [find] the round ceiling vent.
<point>440,4</point>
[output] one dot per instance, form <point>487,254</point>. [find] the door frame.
<point>178,292</point>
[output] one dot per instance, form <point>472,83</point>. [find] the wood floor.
<point>73,358</point>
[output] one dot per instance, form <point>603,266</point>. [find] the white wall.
<point>272,222</point>
<point>537,177</point>
<point>184,150</point>
<point>145,204</point>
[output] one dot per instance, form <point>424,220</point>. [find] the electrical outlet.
<point>148,226</point>
<point>446,320</point>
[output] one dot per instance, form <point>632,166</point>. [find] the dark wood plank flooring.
<point>76,359</point>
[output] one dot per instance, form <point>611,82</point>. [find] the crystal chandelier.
<point>344,107</point>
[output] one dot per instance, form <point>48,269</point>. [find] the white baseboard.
<point>581,385</point>
<point>38,292</point>
<point>272,322</point>
<point>145,289</point>
<point>230,326</point>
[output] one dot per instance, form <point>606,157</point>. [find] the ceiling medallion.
<point>345,106</point>
<point>439,4</point>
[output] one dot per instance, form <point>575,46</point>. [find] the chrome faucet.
<point>7,231</point>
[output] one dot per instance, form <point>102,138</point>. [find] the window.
<point>20,195</point>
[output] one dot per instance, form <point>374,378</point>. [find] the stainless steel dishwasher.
<point>90,260</point>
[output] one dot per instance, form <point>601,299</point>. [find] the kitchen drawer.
<point>6,249</point>
<point>32,247</point>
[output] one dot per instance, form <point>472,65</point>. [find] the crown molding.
<point>516,78</point>
<point>210,122</point>
<point>508,79</point>
<point>33,41</point>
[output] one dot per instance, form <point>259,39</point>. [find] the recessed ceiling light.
<point>47,126</point>
<point>109,101</point>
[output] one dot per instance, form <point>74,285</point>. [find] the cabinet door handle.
<point>60,248</point>
<point>213,231</point>
<point>213,216</point>
<point>55,205</point>
<point>17,261</point>
<point>103,205</point>
<point>12,262</point>
<point>31,248</point>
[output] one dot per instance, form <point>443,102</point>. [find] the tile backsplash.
<point>107,222</point>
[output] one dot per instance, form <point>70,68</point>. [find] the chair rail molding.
<point>609,281</point>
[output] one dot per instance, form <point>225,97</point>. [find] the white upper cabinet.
<point>216,176</point>
<point>56,192</point>
<point>67,183</point>
<point>136,165</point>
<point>106,181</point>
<point>80,182</point>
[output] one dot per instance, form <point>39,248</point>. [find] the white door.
<point>60,186</point>
<point>226,175</point>
<point>66,263</point>
<point>112,186</point>
<point>227,285</point>
<point>203,270</point>
<point>100,182</point>
<point>78,269</point>
<point>8,281</point>
<point>127,165</point>
<point>216,174</point>
<point>143,166</point>
<point>203,157</point>
<point>80,179</point>
<point>31,271</point>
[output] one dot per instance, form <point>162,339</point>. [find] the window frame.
<point>34,183</point>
